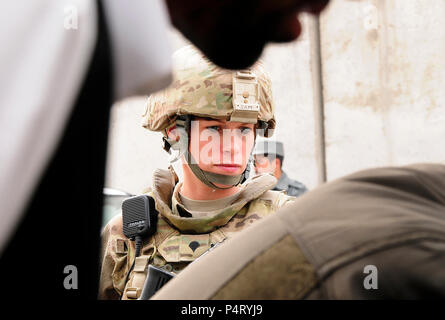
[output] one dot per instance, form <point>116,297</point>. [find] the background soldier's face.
<point>221,146</point>
<point>264,164</point>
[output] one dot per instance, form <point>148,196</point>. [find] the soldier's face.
<point>264,164</point>
<point>221,146</point>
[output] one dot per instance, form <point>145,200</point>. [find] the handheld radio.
<point>139,217</point>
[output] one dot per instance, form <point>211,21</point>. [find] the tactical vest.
<point>180,240</point>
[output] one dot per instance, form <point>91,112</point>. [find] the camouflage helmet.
<point>202,89</point>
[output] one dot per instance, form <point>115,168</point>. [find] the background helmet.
<point>269,147</point>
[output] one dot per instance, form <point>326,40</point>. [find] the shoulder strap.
<point>133,288</point>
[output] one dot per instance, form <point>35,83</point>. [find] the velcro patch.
<point>121,246</point>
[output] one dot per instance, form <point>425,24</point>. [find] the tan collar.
<point>202,208</point>
<point>168,204</point>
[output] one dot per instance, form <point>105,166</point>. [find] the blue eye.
<point>245,130</point>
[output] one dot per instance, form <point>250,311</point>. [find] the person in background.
<point>269,156</point>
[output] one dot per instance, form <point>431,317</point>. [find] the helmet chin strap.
<point>207,177</point>
<point>210,178</point>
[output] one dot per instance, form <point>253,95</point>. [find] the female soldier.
<point>200,115</point>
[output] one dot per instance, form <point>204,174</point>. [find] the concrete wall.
<point>382,99</point>
<point>384,78</point>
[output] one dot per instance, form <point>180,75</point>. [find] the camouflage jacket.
<point>169,248</point>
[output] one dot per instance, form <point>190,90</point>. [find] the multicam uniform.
<point>180,240</point>
<point>204,90</point>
